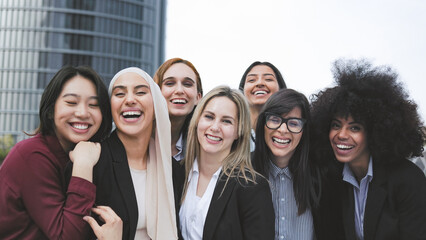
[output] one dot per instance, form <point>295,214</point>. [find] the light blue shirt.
<point>288,224</point>
<point>360,195</point>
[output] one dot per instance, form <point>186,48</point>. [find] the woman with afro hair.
<point>364,131</point>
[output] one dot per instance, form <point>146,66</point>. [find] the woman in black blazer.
<point>370,127</point>
<point>134,172</point>
<point>223,197</point>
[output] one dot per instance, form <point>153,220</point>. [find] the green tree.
<point>6,143</point>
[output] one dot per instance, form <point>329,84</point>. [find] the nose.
<point>342,134</point>
<point>179,88</point>
<point>283,128</point>
<point>130,99</point>
<point>260,82</point>
<point>82,111</point>
<point>215,126</point>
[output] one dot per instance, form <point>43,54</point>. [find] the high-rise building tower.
<point>38,37</point>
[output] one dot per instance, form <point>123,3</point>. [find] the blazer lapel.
<point>124,180</point>
<point>375,201</point>
<point>217,205</point>
<point>348,210</point>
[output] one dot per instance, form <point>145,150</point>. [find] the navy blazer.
<point>395,207</point>
<point>114,185</point>
<point>242,211</point>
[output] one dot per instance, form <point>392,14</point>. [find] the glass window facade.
<point>38,37</point>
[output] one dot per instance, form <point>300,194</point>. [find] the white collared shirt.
<point>194,209</point>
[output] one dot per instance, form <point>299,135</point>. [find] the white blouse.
<point>139,183</point>
<point>194,209</point>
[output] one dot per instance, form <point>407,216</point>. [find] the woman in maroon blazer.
<point>35,200</point>
<point>368,128</point>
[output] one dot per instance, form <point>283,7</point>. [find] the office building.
<point>38,37</point>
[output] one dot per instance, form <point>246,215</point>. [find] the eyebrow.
<point>78,96</point>
<point>172,78</point>
<point>265,74</point>
<point>124,87</point>
<point>350,123</point>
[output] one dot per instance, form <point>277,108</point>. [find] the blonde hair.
<point>237,163</point>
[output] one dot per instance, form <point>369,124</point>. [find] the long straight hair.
<point>282,102</point>
<point>237,163</point>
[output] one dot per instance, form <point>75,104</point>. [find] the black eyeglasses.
<point>294,125</point>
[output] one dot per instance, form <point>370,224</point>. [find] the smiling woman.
<point>365,130</point>
<point>35,201</point>
<point>259,82</point>
<point>223,197</point>
<point>133,175</point>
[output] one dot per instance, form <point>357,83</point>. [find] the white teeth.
<point>341,146</point>
<point>80,126</point>
<point>179,101</point>
<point>213,138</point>
<point>282,141</point>
<point>260,92</point>
<point>131,113</point>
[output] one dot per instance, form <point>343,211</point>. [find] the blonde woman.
<point>224,198</point>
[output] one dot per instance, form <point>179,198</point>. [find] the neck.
<point>209,164</point>
<point>176,124</point>
<point>281,162</point>
<point>254,113</point>
<point>136,150</point>
<point>360,168</point>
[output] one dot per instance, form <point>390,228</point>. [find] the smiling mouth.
<point>179,101</point>
<point>344,147</point>
<point>213,138</point>
<point>132,114</point>
<point>281,141</point>
<point>260,93</point>
<point>80,126</point>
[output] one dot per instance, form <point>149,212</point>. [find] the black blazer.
<point>243,211</point>
<point>395,207</point>
<point>114,186</point>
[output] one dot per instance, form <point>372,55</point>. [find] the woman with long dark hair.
<point>282,155</point>
<point>258,83</point>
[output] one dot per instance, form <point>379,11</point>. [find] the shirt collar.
<point>179,146</point>
<point>275,170</point>
<point>195,170</point>
<point>349,176</point>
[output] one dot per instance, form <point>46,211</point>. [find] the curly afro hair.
<point>374,98</point>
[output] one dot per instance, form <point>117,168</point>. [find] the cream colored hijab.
<point>160,206</point>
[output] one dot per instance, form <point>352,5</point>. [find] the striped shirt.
<point>288,225</point>
<point>360,195</point>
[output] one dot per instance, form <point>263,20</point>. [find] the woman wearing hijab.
<point>133,175</point>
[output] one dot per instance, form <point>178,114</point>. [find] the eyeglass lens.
<point>294,125</point>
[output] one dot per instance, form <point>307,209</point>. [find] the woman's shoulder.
<point>253,179</point>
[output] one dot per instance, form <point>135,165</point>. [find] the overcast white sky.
<point>300,37</point>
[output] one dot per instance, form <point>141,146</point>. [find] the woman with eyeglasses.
<point>281,155</point>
